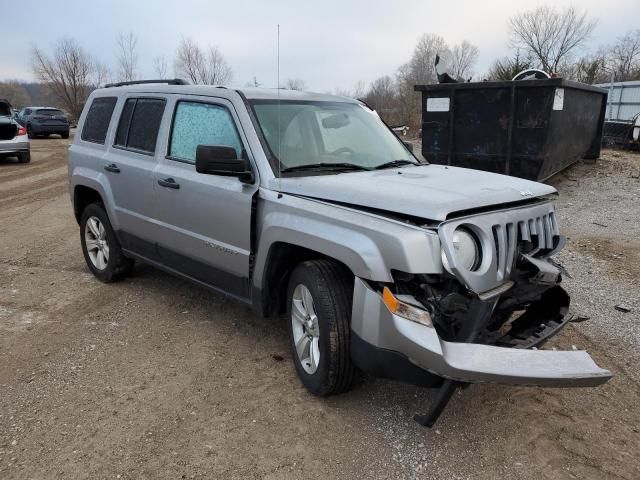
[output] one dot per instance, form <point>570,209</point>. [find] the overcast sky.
<point>329,44</point>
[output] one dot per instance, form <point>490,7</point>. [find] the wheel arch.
<point>88,186</point>
<point>82,197</point>
<point>281,260</point>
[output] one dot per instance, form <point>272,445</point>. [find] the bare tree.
<point>217,70</point>
<point>552,36</point>
<point>15,93</point>
<point>419,70</point>
<point>160,66</point>
<point>200,67</point>
<point>408,99</point>
<point>359,89</point>
<point>127,57</point>
<point>624,57</point>
<point>463,59</point>
<point>188,60</point>
<point>295,84</point>
<point>102,74</point>
<point>508,67</point>
<point>423,58</point>
<point>69,73</point>
<point>591,69</point>
<point>382,97</point>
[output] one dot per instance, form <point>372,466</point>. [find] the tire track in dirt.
<point>24,170</point>
<point>16,187</point>
<point>48,193</point>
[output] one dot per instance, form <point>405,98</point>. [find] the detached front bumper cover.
<point>469,362</point>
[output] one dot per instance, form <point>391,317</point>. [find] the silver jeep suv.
<point>308,206</point>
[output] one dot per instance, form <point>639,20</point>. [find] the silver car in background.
<point>14,141</point>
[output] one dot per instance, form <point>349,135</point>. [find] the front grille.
<point>504,235</point>
<point>531,235</point>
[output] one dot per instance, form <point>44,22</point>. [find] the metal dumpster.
<point>528,128</point>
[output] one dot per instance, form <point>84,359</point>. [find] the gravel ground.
<point>599,213</point>
<point>156,378</point>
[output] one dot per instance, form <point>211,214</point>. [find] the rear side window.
<point>49,112</point>
<point>139,124</point>
<point>201,124</point>
<point>98,118</point>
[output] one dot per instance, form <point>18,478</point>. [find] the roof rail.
<point>170,81</point>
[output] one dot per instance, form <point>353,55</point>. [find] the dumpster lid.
<point>551,82</point>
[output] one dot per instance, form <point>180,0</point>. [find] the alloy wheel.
<point>95,239</point>
<point>305,328</point>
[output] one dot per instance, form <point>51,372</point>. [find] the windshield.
<point>304,133</point>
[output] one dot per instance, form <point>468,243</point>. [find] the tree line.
<point>547,38</point>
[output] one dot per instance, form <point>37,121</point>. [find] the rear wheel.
<point>65,135</point>
<point>100,247</point>
<point>320,295</point>
<point>24,157</point>
<point>30,132</point>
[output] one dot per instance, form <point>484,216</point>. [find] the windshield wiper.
<point>324,166</point>
<point>395,163</point>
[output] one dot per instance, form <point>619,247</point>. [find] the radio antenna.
<point>278,90</point>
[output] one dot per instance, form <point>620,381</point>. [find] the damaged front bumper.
<point>380,334</point>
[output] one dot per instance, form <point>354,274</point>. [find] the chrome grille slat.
<point>541,238</point>
<point>540,230</point>
<point>548,231</point>
<point>532,226</point>
<point>512,236</point>
<point>503,235</point>
<point>524,230</point>
<point>501,248</point>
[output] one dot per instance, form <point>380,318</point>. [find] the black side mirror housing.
<point>223,160</point>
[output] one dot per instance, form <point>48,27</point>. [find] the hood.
<point>428,191</point>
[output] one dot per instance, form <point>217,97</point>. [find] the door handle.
<point>113,168</point>
<point>169,183</point>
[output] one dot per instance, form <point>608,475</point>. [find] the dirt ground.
<point>156,378</point>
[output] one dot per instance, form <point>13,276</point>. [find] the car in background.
<point>14,141</point>
<point>44,121</point>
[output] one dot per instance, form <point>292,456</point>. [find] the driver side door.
<point>205,220</point>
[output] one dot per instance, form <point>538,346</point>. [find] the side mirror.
<point>223,160</point>
<point>409,146</point>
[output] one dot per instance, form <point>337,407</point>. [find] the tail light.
<point>21,131</point>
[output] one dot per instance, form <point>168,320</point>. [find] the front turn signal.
<point>405,310</point>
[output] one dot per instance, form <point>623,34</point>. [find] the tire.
<point>114,265</point>
<point>330,286</point>
<point>30,132</point>
<point>65,135</point>
<point>24,157</point>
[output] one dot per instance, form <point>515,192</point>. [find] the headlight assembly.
<point>466,251</point>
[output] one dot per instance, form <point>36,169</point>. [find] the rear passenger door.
<point>129,168</point>
<point>206,219</point>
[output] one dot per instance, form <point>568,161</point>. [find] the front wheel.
<point>100,247</point>
<point>320,296</point>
